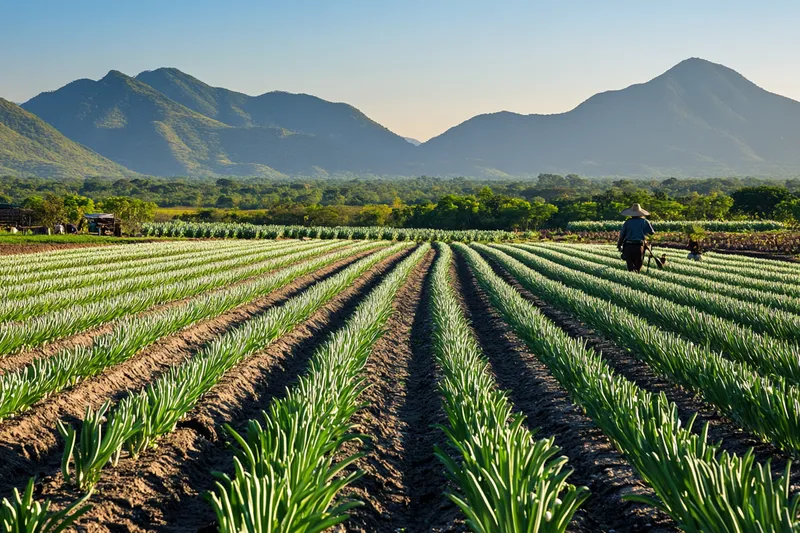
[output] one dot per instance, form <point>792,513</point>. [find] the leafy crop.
<point>287,474</point>
<point>506,480</point>
<point>701,487</point>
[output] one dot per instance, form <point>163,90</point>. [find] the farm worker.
<point>633,236</point>
<point>694,251</point>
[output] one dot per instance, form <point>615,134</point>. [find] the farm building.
<point>15,216</point>
<point>103,224</point>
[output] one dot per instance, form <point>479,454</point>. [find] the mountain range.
<point>696,119</point>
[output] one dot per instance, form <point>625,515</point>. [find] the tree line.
<point>550,201</point>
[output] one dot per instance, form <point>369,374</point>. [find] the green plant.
<point>23,514</point>
<point>702,488</point>
<point>505,480</point>
<point>140,419</point>
<point>766,406</point>
<point>287,473</point>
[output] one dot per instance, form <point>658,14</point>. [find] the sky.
<point>418,67</point>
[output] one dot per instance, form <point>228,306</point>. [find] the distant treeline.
<point>548,201</point>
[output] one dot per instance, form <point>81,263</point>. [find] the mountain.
<point>131,123</point>
<point>698,118</point>
<point>139,127</point>
<point>371,145</point>
<point>413,141</point>
<point>31,147</point>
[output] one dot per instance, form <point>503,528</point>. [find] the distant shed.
<point>14,215</point>
<point>102,224</point>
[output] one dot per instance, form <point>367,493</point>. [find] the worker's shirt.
<point>635,229</point>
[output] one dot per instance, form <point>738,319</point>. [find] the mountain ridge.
<point>680,122</point>
<point>697,118</point>
<point>30,146</point>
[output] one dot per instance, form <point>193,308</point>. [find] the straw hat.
<point>635,211</point>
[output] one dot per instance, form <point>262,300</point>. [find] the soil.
<point>403,482</point>
<point>536,393</point>
<point>163,489</point>
<point>16,249</point>
<point>721,429</point>
<point>30,443</point>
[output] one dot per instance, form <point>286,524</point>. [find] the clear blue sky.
<point>416,66</point>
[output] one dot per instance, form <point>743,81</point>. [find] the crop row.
<point>766,406</point>
<point>138,420</point>
<point>753,278</point>
<point>26,285</point>
<point>738,342</point>
<point>50,326</point>
<point>730,262</point>
<point>715,298</point>
<point>23,308</point>
<point>680,225</point>
<point>701,487</point>
<point>287,473</point>
<point>506,480</point>
<point>748,260</point>
<point>22,388</point>
<point>85,257</point>
<point>250,231</point>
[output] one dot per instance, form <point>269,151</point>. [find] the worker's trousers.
<point>633,253</point>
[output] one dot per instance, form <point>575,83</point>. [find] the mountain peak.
<point>171,72</point>
<point>695,66</point>
<point>115,75</point>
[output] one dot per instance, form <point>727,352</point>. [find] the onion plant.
<point>23,514</point>
<point>21,309</point>
<point>506,480</point>
<point>703,488</point>
<point>761,318</point>
<point>51,326</point>
<point>21,288</point>
<point>770,356</point>
<point>250,231</point>
<point>591,263</point>
<point>155,410</point>
<point>768,407</point>
<point>22,388</point>
<point>738,276</point>
<point>287,476</point>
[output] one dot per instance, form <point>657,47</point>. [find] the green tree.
<point>49,210</point>
<point>225,201</point>
<point>540,213</point>
<point>714,206</point>
<point>131,212</point>
<point>373,215</point>
<point>759,202</point>
<point>75,206</point>
<point>788,211</point>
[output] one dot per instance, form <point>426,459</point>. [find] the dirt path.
<point>403,483</point>
<point>721,428</point>
<point>30,444</point>
<point>162,490</point>
<point>537,394</point>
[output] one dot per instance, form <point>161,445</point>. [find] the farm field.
<point>374,385</point>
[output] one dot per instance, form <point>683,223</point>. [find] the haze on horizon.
<point>416,67</point>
